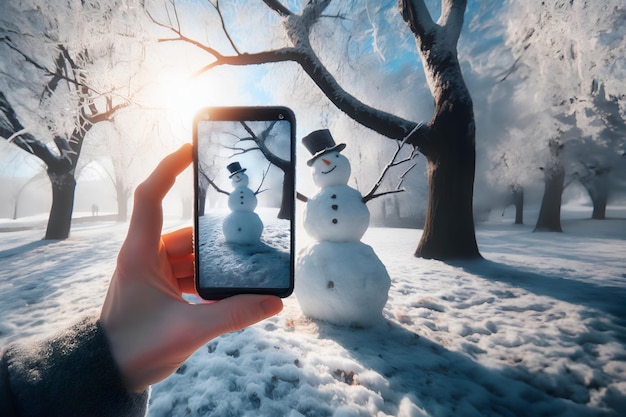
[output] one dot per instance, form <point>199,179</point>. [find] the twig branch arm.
<point>372,193</point>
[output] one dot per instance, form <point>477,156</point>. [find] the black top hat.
<point>320,142</point>
<point>235,168</point>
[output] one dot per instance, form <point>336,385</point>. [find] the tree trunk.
<point>286,205</point>
<point>597,186</point>
<point>599,207</point>
<point>123,195</point>
<point>202,193</point>
<point>60,220</point>
<point>450,148</point>
<point>518,201</point>
<point>549,219</point>
<point>449,226</point>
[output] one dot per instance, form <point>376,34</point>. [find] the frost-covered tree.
<point>601,164</point>
<point>59,76</point>
<point>119,147</point>
<point>447,141</point>
<point>563,49</point>
<point>512,158</point>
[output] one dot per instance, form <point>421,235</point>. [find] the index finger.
<point>147,218</point>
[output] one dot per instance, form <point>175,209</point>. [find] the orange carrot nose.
<point>326,161</point>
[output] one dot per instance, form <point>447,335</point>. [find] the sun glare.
<point>182,95</point>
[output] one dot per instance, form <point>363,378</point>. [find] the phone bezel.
<point>235,113</point>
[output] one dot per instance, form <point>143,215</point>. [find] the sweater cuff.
<point>71,374</point>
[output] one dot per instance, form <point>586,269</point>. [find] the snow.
<point>227,264</point>
<point>538,328</point>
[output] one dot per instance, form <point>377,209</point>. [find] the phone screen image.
<point>244,172</point>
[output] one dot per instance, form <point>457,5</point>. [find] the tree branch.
<point>278,8</point>
<point>416,15</point>
<point>452,14</point>
<point>25,141</point>
<point>386,124</point>
<point>218,189</point>
<point>371,195</point>
<point>219,13</point>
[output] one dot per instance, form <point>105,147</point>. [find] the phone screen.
<point>244,175</point>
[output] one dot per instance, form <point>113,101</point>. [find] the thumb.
<point>235,313</point>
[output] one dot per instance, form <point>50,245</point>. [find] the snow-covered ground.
<point>262,264</point>
<point>536,329</point>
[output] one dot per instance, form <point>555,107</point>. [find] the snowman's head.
<point>331,169</point>
<point>239,180</point>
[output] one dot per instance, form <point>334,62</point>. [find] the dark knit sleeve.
<point>71,374</point>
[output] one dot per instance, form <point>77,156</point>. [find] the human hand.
<point>152,330</point>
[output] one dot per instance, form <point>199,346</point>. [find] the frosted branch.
<point>392,163</point>
<point>452,12</point>
<point>416,15</point>
<point>278,8</point>
<point>216,6</point>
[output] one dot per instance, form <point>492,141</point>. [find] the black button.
<point>334,221</point>
<point>334,206</point>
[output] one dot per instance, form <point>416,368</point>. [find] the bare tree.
<point>247,140</point>
<point>447,141</point>
<point>285,165</point>
<point>59,85</point>
<point>61,166</point>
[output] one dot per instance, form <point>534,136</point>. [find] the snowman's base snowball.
<point>342,283</point>
<point>242,227</point>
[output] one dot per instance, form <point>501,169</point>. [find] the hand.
<point>152,330</point>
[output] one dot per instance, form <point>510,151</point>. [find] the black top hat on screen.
<point>320,142</point>
<point>235,168</point>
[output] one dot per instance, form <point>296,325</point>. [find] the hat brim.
<point>237,172</point>
<point>338,148</point>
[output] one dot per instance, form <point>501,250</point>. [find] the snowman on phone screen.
<point>242,225</point>
<point>339,279</point>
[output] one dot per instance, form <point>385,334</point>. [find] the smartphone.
<point>244,214</point>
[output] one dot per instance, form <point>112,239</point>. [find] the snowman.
<point>242,226</point>
<point>339,279</point>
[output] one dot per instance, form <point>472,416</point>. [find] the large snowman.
<point>339,279</point>
<point>242,226</point>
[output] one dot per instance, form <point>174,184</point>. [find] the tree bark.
<point>518,201</point>
<point>449,225</point>
<point>63,191</point>
<point>122,195</point>
<point>449,147</point>
<point>202,193</point>
<point>549,219</point>
<point>287,203</point>
<point>597,186</point>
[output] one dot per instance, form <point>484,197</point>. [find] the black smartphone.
<point>244,181</point>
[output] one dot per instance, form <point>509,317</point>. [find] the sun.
<point>180,96</point>
<point>183,93</point>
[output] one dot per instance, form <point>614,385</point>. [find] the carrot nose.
<point>326,161</point>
